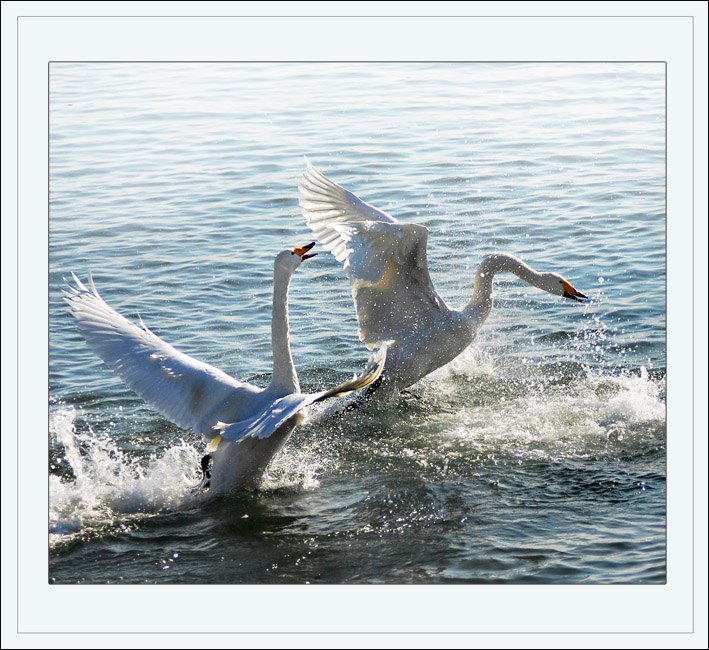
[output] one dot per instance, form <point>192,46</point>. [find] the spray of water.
<point>565,413</point>
<point>94,483</point>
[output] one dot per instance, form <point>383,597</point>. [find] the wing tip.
<point>80,287</point>
<point>372,371</point>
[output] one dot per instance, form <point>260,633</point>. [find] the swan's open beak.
<point>302,251</point>
<point>570,292</point>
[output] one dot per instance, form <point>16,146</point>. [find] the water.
<point>537,456</point>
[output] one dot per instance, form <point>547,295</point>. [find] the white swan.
<point>386,263</point>
<point>244,425</point>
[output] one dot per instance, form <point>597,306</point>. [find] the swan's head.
<point>291,258</point>
<point>556,284</point>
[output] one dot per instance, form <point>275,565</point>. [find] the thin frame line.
<point>364,61</point>
<point>693,316</point>
<point>308,17</point>
<point>168,62</point>
<point>366,16</point>
<point>247,63</point>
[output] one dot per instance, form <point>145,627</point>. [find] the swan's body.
<point>244,425</point>
<point>385,261</point>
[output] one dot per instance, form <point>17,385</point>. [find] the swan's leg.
<point>206,480</point>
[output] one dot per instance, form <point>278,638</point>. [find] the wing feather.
<point>326,203</point>
<point>186,391</point>
<point>385,260</point>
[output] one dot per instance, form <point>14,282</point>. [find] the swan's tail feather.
<point>371,373</point>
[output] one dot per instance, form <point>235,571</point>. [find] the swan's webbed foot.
<point>206,481</point>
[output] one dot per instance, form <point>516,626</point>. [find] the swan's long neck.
<point>481,302</point>
<point>285,377</point>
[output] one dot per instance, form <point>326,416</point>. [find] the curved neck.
<point>285,377</point>
<point>492,264</point>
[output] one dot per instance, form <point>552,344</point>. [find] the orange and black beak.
<point>302,251</point>
<point>570,292</point>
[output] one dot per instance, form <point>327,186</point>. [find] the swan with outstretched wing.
<point>386,263</point>
<point>245,426</point>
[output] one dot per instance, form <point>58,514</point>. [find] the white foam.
<point>297,466</point>
<point>107,482</point>
<point>469,363</point>
<point>573,418</point>
<point>111,486</point>
<point>638,399</point>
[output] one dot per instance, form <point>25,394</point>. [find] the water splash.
<point>305,458</point>
<point>93,483</point>
<point>579,412</point>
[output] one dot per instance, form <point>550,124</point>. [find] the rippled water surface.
<point>536,456</point>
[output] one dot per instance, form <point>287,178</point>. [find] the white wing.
<point>267,421</point>
<point>277,413</point>
<point>384,259</point>
<point>187,391</point>
<point>326,203</point>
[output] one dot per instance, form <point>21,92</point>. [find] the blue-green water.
<point>536,456</point>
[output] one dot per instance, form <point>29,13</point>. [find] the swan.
<point>385,261</point>
<point>244,425</point>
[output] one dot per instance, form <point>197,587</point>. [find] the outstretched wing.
<point>186,391</point>
<point>325,204</point>
<point>281,410</point>
<point>384,259</point>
